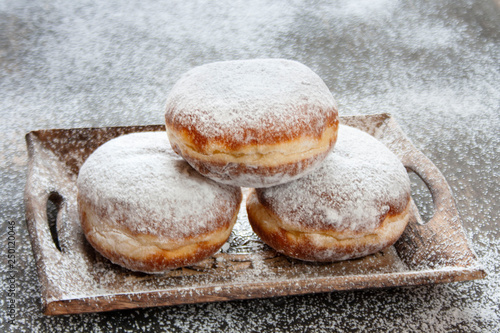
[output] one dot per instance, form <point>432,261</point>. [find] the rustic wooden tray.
<point>76,279</point>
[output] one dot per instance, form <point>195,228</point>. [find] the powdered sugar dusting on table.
<point>138,179</point>
<point>353,189</point>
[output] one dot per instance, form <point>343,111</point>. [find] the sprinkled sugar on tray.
<point>76,279</point>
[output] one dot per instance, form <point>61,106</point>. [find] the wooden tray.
<point>76,279</point>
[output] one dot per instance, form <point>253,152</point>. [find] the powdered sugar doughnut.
<point>146,209</point>
<point>252,123</point>
<point>357,203</point>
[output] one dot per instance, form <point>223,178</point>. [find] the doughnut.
<point>252,123</point>
<point>144,208</point>
<point>357,203</point>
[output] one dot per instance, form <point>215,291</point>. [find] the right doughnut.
<point>357,203</point>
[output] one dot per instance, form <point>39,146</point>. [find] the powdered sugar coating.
<point>251,102</point>
<point>356,187</point>
<point>139,182</point>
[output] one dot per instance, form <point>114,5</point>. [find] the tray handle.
<point>442,198</point>
<point>443,235</point>
<point>37,195</point>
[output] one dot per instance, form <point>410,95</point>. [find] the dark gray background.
<point>434,65</point>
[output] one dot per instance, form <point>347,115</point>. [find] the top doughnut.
<point>252,123</point>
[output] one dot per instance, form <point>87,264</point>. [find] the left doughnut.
<point>144,208</point>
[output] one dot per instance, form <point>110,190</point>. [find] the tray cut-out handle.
<point>439,240</point>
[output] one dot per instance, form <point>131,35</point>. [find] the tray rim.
<point>101,303</point>
<point>98,303</point>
